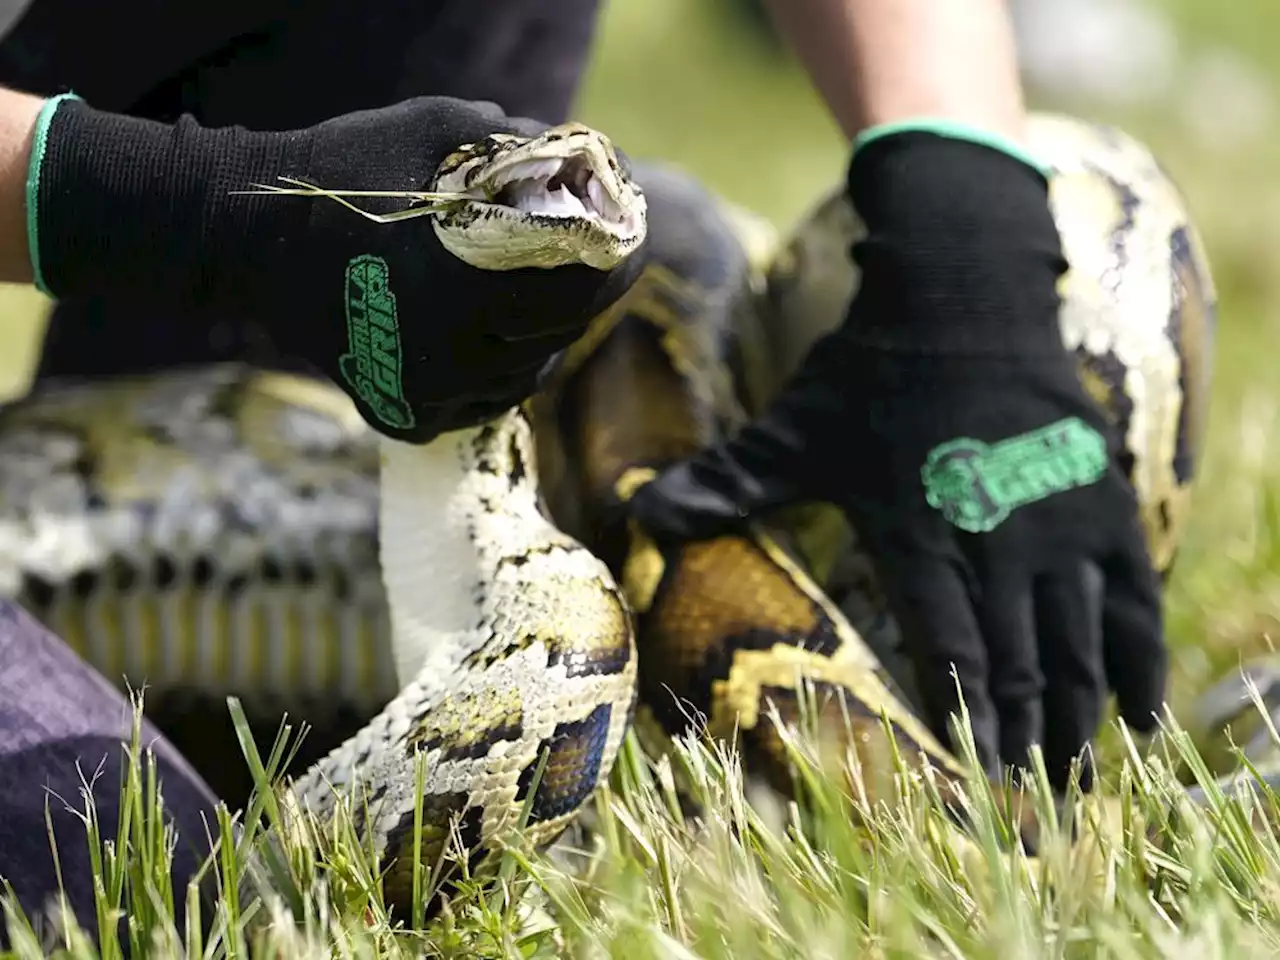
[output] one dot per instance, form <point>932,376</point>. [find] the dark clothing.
<point>61,726</point>
<point>275,65</point>
<point>263,64</point>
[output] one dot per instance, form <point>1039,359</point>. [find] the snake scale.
<point>226,530</point>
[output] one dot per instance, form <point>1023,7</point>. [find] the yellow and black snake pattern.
<point>225,530</point>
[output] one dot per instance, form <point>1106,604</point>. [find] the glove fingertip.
<point>1140,700</point>
<point>1136,660</point>
<point>676,506</point>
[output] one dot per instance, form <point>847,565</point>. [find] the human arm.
<point>951,342</point>
<point>142,212</point>
<point>885,61</point>
<point>18,112</point>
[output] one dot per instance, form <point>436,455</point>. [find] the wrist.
<point>119,205</point>
<point>18,122</point>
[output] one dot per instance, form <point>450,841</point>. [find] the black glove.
<point>143,211</point>
<point>946,418</point>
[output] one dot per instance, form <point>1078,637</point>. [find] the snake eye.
<point>621,163</point>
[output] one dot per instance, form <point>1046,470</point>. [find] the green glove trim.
<point>955,130</point>
<point>39,142</point>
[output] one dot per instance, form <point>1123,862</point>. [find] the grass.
<point>831,875</point>
<point>693,84</point>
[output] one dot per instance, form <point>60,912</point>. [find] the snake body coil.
<point>483,599</point>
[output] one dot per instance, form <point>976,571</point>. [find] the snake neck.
<point>437,502</point>
<point>506,632</point>
<point>438,506</point>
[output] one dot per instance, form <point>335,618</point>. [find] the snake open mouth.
<point>557,187</point>
<point>561,197</point>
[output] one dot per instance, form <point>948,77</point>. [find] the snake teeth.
<point>553,187</point>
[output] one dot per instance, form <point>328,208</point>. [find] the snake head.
<point>560,198</point>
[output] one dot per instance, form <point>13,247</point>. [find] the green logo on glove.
<point>372,363</point>
<point>977,485</point>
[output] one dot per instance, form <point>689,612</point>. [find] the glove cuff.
<point>121,206</point>
<point>959,131</point>
<point>39,146</point>
<point>961,253</point>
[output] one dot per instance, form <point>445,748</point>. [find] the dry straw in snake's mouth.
<point>507,202</point>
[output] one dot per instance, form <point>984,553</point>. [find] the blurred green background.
<point>703,83</point>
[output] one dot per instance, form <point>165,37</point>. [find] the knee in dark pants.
<point>62,725</point>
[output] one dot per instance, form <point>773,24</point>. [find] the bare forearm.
<point>881,61</point>
<point>18,112</point>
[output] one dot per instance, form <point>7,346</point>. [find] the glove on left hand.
<point>947,420</point>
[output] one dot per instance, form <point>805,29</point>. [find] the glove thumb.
<point>717,490</point>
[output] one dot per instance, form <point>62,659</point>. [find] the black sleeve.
<point>274,65</point>
<point>278,64</point>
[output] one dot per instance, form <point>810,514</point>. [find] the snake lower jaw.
<point>495,237</point>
